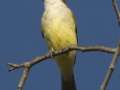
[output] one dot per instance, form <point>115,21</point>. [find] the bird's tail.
<point>70,85</point>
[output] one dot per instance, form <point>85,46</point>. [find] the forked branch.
<point>28,65</point>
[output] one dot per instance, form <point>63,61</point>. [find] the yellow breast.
<point>58,33</point>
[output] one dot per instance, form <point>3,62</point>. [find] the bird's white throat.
<point>49,4</point>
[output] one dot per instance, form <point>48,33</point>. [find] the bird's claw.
<point>51,53</point>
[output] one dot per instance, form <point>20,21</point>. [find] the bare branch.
<point>28,65</point>
<point>111,68</point>
<point>63,51</point>
<point>116,10</point>
<point>23,78</point>
<point>15,66</point>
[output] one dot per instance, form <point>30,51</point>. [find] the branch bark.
<point>111,68</point>
<point>28,65</point>
<point>116,10</point>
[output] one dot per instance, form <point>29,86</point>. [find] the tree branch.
<point>28,65</point>
<point>111,68</point>
<point>116,10</point>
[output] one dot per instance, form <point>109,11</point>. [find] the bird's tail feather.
<point>70,85</point>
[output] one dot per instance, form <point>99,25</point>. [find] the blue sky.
<point>21,41</point>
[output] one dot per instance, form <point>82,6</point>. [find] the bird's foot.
<point>51,53</point>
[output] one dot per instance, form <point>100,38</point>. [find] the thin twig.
<point>15,66</point>
<point>111,68</point>
<point>28,65</point>
<point>116,10</point>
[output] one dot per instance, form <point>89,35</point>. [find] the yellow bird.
<point>59,30</point>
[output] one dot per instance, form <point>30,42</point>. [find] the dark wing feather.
<point>42,33</point>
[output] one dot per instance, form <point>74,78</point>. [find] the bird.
<point>59,29</point>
